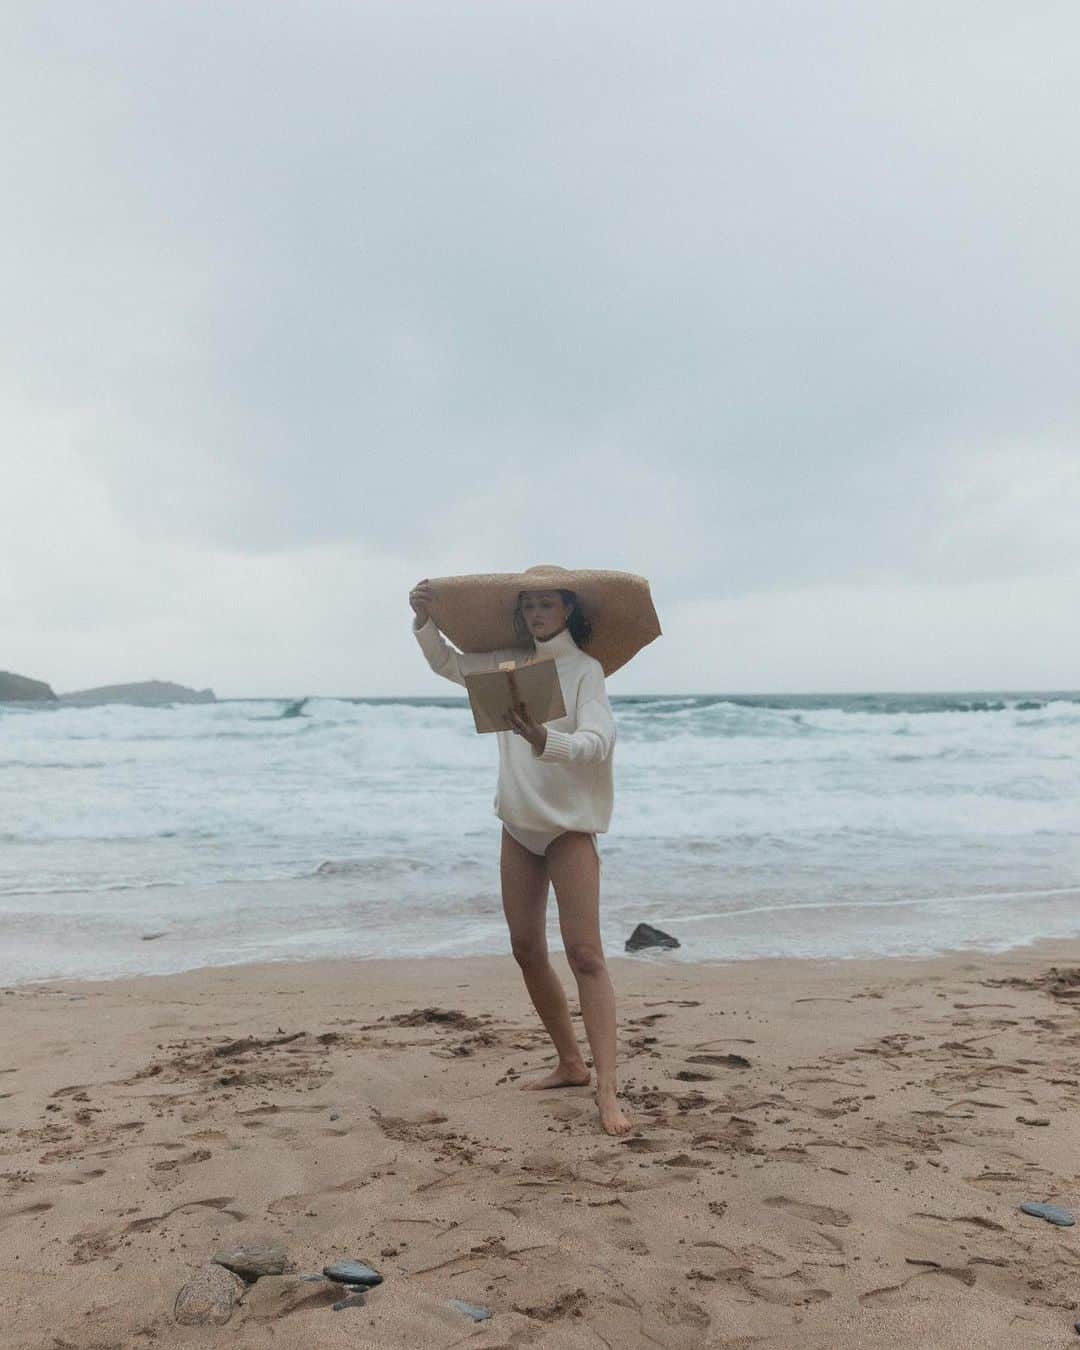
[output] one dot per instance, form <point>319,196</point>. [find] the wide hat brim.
<point>476,612</point>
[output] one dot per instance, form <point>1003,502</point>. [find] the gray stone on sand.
<point>352,1272</point>
<point>252,1260</point>
<point>209,1297</point>
<point>476,1311</point>
<point>1051,1213</point>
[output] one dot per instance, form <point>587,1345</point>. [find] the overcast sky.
<point>775,303</point>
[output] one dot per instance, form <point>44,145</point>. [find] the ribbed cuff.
<point>557,747</point>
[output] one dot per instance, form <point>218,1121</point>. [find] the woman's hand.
<point>521,722</point>
<point>420,598</point>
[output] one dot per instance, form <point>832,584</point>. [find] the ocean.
<point>151,840</point>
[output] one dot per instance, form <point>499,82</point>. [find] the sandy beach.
<point>823,1154</point>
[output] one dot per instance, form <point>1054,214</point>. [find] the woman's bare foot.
<point>564,1075</point>
<point>612,1118</point>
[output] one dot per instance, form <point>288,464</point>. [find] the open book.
<point>492,693</point>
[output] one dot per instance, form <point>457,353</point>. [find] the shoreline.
<point>823,1154</point>
<point>657,958</point>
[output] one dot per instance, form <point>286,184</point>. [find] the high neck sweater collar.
<point>559,645</point>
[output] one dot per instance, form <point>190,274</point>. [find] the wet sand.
<point>822,1155</point>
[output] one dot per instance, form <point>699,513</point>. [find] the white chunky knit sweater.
<point>569,786</point>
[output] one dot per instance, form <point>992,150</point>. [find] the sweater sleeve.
<point>447,661</point>
<point>595,734</point>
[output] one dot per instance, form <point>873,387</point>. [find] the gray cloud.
<point>744,297</point>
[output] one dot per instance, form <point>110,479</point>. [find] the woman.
<point>554,794</point>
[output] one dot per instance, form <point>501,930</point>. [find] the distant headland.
<point>22,688</point>
<point>146,694</point>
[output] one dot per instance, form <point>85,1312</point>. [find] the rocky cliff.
<point>20,687</point>
<point>148,694</point>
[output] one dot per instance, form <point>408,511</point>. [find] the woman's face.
<point>545,613</point>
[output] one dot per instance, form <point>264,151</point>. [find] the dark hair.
<point>579,626</point>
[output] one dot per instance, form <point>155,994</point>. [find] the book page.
<point>492,693</point>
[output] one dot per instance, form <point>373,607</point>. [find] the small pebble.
<point>352,1272</point>
<point>473,1310</point>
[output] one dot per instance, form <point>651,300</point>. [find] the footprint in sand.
<point>794,1296</point>
<point>301,1202</point>
<point>275,1110</point>
<point>170,1164</point>
<point>683,1312</point>
<point>410,1129</point>
<point>816,1241</point>
<point>38,1208</point>
<point>893,1294</point>
<point>271,1131</point>
<point>101,1240</point>
<point>291,1204</point>
<point>218,1202</point>
<point>566,1111</point>
<point>642,1145</point>
<point>835,1218</point>
<point>783,1290</point>
<point>77,1178</point>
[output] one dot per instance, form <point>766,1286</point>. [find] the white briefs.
<point>537,841</point>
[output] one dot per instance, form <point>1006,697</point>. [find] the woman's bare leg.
<point>575,870</point>
<point>524,896</point>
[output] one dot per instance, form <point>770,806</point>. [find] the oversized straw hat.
<point>476,612</point>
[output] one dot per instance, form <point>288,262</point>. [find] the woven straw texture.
<point>476,611</point>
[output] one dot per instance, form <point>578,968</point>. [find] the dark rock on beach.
<point>644,935</point>
<point>148,694</point>
<point>352,1272</point>
<point>209,1297</point>
<point>22,689</point>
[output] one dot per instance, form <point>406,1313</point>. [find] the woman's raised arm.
<point>451,664</point>
<point>443,659</point>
